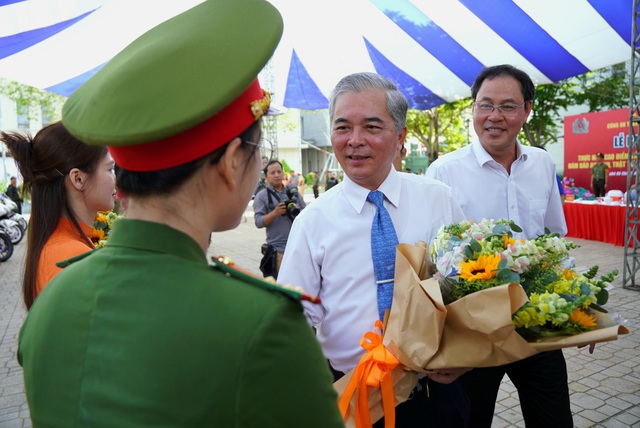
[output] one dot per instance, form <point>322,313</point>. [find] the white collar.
<point>482,156</point>
<point>357,195</point>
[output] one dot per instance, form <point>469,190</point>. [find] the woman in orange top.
<point>69,183</point>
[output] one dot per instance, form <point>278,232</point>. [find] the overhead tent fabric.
<point>431,49</point>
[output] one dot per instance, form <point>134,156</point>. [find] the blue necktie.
<point>383,251</point>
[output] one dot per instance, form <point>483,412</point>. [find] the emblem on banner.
<point>581,126</point>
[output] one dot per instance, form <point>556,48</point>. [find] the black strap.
<point>270,191</point>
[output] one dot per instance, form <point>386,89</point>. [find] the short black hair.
<point>165,181</point>
<point>271,162</point>
<point>526,85</point>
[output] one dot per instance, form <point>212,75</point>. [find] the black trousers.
<point>541,381</point>
<point>598,188</point>
<point>445,406</point>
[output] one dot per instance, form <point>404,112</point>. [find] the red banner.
<point>589,133</point>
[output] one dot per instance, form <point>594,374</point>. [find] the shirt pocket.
<point>537,211</point>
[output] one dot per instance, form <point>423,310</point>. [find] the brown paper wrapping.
<point>606,331</point>
<point>478,331</point>
<point>475,331</point>
<point>413,332</point>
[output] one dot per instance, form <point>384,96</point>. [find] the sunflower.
<point>484,268</point>
<point>101,218</point>
<point>97,235</point>
<point>582,318</point>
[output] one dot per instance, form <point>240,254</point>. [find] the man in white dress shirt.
<point>497,177</point>
<point>328,252</point>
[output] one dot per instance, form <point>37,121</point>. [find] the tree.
<point>27,96</point>
<point>603,89</point>
<point>549,105</point>
<point>444,128</point>
<point>440,126</point>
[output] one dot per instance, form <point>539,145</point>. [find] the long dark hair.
<point>44,161</point>
<point>166,181</point>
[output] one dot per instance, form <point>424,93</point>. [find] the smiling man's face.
<point>363,137</point>
<point>498,132</point>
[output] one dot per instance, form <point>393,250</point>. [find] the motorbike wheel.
<point>21,221</point>
<point>6,247</point>
<point>15,232</point>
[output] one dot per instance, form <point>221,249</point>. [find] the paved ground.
<point>605,386</point>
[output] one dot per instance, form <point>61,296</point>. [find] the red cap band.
<point>195,142</point>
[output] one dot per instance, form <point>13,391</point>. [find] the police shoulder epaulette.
<point>67,262</point>
<point>227,266</point>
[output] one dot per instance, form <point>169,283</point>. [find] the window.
<point>23,117</point>
<point>47,117</point>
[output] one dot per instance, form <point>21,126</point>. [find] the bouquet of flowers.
<point>491,293</point>
<point>102,227</point>
<point>473,256</point>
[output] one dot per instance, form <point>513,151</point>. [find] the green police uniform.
<point>599,178</point>
<point>144,332</point>
<point>598,171</point>
<point>178,343</point>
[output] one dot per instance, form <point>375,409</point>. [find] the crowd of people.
<point>145,332</point>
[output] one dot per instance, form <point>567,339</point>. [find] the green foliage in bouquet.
<point>102,227</point>
<point>473,256</point>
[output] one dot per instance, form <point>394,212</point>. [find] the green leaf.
<point>468,252</point>
<point>598,308</point>
<point>507,277</point>
<point>592,272</point>
<point>602,296</point>
<point>515,227</point>
<point>569,297</point>
<point>585,290</point>
<point>500,230</point>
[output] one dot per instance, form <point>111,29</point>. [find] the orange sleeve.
<point>53,253</point>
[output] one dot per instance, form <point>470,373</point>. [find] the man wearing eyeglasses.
<point>497,177</point>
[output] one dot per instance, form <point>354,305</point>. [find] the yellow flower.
<point>569,274</point>
<point>101,218</point>
<point>482,269</point>
<point>97,235</point>
<point>508,241</point>
<point>582,318</point>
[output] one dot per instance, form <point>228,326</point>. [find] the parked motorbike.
<point>15,216</point>
<point>10,227</point>
<point>6,247</point>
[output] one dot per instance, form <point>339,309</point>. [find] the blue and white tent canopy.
<point>432,49</point>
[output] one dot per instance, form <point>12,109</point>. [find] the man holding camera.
<point>275,207</point>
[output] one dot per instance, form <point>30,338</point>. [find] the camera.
<point>293,209</point>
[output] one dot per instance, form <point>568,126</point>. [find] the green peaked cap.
<point>176,75</point>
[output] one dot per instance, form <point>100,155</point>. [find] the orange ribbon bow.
<point>373,370</point>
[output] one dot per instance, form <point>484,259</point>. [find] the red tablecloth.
<point>596,222</point>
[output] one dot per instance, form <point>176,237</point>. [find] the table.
<point>596,221</point>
